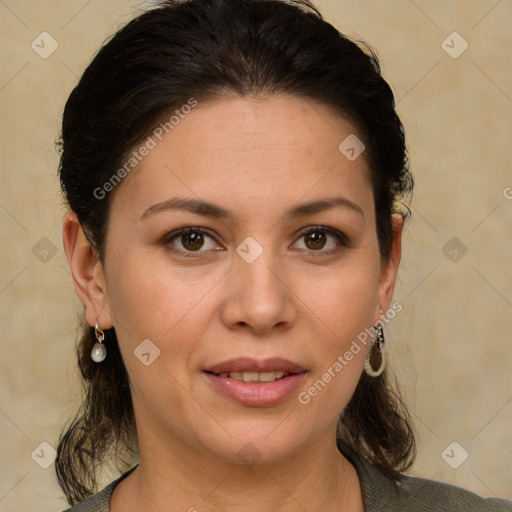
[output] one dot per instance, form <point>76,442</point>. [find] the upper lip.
<point>247,364</point>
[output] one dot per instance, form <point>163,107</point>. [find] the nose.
<point>259,296</point>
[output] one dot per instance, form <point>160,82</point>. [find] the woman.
<point>235,171</point>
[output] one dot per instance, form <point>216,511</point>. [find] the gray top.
<point>380,493</point>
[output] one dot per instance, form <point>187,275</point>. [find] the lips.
<point>256,383</point>
<point>247,364</point>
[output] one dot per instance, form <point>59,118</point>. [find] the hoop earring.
<point>98,352</point>
<point>379,342</point>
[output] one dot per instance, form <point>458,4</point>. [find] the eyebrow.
<point>208,209</point>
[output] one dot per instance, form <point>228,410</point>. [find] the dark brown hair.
<point>205,49</point>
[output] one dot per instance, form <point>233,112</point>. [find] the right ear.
<point>87,272</point>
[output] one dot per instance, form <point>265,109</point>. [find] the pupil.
<point>192,241</point>
<point>317,239</point>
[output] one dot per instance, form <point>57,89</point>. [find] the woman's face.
<point>260,275</point>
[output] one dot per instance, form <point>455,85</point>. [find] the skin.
<point>258,158</point>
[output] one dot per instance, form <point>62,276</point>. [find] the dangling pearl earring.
<point>98,352</point>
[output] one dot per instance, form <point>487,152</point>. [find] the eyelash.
<point>341,237</point>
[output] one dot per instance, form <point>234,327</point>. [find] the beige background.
<point>451,344</point>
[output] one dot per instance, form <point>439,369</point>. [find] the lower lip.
<point>257,394</point>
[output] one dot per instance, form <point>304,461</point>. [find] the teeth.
<point>255,376</point>
<point>250,376</point>
<point>268,376</point>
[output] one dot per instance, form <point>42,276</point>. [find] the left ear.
<point>390,268</point>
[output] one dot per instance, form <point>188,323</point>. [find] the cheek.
<point>144,285</point>
<point>345,299</point>
<point>155,302</point>
<point>152,300</point>
<point>344,307</point>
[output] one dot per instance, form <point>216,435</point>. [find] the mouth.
<point>254,376</point>
<point>247,369</point>
<point>256,383</point>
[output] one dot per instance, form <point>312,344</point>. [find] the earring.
<point>379,341</point>
<point>98,352</point>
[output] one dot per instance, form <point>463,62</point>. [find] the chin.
<point>263,442</point>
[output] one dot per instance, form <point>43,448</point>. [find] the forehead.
<point>275,149</point>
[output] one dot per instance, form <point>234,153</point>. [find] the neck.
<point>317,478</point>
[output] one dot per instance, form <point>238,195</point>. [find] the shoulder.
<point>100,502</point>
<point>428,495</point>
<point>383,494</point>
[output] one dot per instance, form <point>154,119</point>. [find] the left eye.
<point>315,240</point>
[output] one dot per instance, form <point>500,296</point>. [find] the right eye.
<point>192,240</point>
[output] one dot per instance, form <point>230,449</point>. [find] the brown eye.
<point>315,240</point>
<point>322,240</point>
<point>192,241</point>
